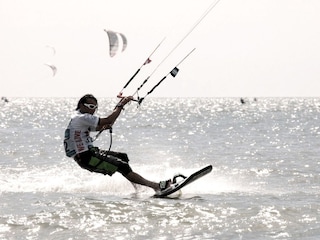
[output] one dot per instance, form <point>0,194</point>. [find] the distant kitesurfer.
<point>79,145</point>
<point>5,99</point>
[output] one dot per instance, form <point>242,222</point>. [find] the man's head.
<point>87,104</point>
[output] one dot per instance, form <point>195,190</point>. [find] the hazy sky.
<point>244,48</point>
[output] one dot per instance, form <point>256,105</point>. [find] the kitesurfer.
<point>79,145</point>
<point>5,99</point>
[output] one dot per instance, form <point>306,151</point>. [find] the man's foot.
<point>164,184</point>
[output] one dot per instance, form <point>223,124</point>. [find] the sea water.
<point>265,182</point>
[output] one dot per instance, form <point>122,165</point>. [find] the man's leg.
<point>136,178</point>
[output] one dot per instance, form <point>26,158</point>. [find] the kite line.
<point>173,73</point>
<point>206,12</point>
<point>148,60</point>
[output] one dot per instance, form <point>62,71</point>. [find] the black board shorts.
<point>105,162</point>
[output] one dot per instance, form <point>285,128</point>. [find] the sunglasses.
<point>90,105</point>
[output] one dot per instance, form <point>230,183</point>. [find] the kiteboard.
<point>176,186</point>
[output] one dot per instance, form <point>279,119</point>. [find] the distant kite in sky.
<point>53,68</point>
<point>116,40</point>
<point>52,48</point>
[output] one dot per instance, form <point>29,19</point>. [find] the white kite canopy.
<point>116,40</point>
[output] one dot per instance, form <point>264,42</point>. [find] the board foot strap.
<point>174,180</point>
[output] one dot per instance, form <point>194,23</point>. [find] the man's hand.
<point>125,100</point>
